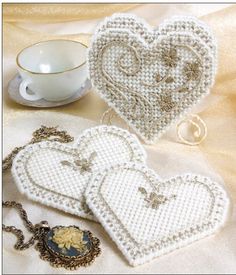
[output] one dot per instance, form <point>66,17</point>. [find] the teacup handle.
<point>23,91</point>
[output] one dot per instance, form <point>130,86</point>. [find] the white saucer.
<point>13,91</point>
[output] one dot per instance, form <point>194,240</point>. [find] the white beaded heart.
<point>152,77</point>
<point>56,174</point>
<point>147,216</point>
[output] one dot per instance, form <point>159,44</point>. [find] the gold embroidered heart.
<point>151,77</point>
<point>56,174</point>
<point>147,216</point>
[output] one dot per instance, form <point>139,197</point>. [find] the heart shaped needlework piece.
<point>57,175</point>
<point>147,216</point>
<point>152,77</point>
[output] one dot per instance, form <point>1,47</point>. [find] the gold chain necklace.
<point>43,133</point>
<point>63,246</point>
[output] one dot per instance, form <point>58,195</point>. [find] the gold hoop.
<point>200,133</point>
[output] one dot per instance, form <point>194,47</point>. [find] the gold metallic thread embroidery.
<point>135,105</point>
<point>127,234</point>
<point>170,57</point>
<point>192,70</point>
<point>166,103</point>
<point>153,199</point>
<point>83,165</point>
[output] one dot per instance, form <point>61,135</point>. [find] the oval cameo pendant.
<point>68,247</point>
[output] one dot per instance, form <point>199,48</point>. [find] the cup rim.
<point>43,41</point>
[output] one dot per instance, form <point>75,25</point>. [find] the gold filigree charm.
<point>68,247</point>
<point>154,199</point>
<point>83,165</point>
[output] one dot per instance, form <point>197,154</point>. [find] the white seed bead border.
<point>175,23</point>
<point>137,151</point>
<point>39,174</point>
<point>113,221</point>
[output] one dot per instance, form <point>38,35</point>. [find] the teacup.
<point>53,70</point>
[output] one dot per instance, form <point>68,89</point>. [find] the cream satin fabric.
<point>216,156</point>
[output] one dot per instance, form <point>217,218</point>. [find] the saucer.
<point>13,91</point>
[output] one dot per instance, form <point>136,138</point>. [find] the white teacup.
<point>53,70</point>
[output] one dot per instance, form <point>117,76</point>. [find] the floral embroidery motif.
<point>192,70</point>
<point>150,62</point>
<point>170,57</point>
<point>166,103</point>
<point>84,165</point>
<point>153,199</point>
<point>169,79</point>
<point>67,237</point>
<point>137,104</point>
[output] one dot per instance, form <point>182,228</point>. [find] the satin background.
<point>25,24</point>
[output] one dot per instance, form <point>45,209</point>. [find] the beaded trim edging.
<point>57,175</point>
<point>151,78</point>
<point>197,207</point>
